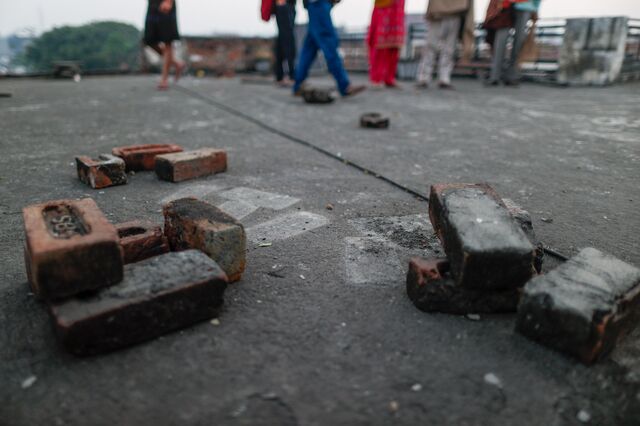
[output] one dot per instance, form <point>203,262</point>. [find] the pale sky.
<point>198,17</point>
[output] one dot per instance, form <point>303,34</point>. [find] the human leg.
<point>393,54</point>
<point>448,38</point>
<point>425,69</point>
<point>521,19</point>
<point>499,47</point>
<point>324,34</point>
<point>307,56</point>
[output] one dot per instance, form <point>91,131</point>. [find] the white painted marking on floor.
<point>286,226</point>
<point>198,191</point>
<point>260,198</point>
<point>238,209</point>
<point>371,262</point>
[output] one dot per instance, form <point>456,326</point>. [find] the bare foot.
<point>163,85</point>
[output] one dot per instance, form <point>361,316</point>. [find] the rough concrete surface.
<point>319,331</point>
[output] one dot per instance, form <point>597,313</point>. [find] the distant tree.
<point>98,46</point>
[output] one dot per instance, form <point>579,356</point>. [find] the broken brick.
<point>432,289</point>
<point>583,307</point>
<point>143,157</point>
<point>193,224</point>
<point>108,170</point>
<point>190,165</point>
<point>70,248</point>
<point>141,240</point>
<point>485,246</point>
<point>374,120</point>
<point>158,295</point>
<point>523,218</point>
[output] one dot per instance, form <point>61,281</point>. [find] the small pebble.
<point>394,406</point>
<point>583,416</point>
<point>546,219</point>
<point>28,382</point>
<point>493,380</point>
<point>473,317</point>
<point>302,277</point>
<point>215,321</point>
<point>329,206</point>
<point>417,387</point>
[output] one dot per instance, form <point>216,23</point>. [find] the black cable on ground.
<point>303,142</point>
<point>265,126</point>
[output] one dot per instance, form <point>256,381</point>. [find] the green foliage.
<point>98,46</point>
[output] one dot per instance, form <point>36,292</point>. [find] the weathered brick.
<point>193,224</point>
<point>523,218</point>
<point>374,120</point>
<point>158,295</point>
<point>143,157</point>
<point>108,170</point>
<point>486,247</point>
<point>190,165</point>
<point>70,248</point>
<point>141,240</point>
<point>432,289</point>
<point>583,307</point>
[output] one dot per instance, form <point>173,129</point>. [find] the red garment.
<point>383,64</point>
<point>266,9</point>
<point>387,26</point>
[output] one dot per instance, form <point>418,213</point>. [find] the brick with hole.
<point>432,289</point>
<point>158,295</point>
<point>143,157</point>
<point>191,164</point>
<point>584,307</point>
<point>194,224</point>
<point>486,248</point>
<point>105,171</point>
<point>70,248</point>
<point>140,240</point>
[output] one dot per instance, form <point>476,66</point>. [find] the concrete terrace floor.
<point>320,331</point>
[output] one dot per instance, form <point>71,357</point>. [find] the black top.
<point>154,7</point>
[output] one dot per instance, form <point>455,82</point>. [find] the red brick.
<point>70,248</point>
<point>108,170</point>
<point>190,165</point>
<point>141,240</point>
<point>432,289</point>
<point>158,295</point>
<point>193,224</point>
<point>143,157</point>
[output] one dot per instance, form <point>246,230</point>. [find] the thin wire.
<point>238,113</point>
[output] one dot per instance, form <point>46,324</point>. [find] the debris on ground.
<point>28,382</point>
<point>143,157</point>
<point>188,165</point>
<point>374,120</point>
<point>583,307</point>
<point>313,95</point>
<point>194,224</point>
<point>140,240</point>
<point>105,171</point>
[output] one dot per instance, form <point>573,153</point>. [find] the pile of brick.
<point>169,161</point>
<point>494,265</point>
<point>108,286</point>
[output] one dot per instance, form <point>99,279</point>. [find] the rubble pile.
<point>109,286</point>
<point>494,265</point>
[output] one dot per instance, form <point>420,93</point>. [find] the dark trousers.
<point>285,44</point>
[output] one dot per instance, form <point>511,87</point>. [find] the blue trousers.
<point>321,35</point>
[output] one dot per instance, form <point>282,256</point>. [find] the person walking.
<point>161,30</point>
<point>322,35</point>
<point>285,42</point>
<point>502,15</point>
<point>385,38</point>
<point>447,22</point>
